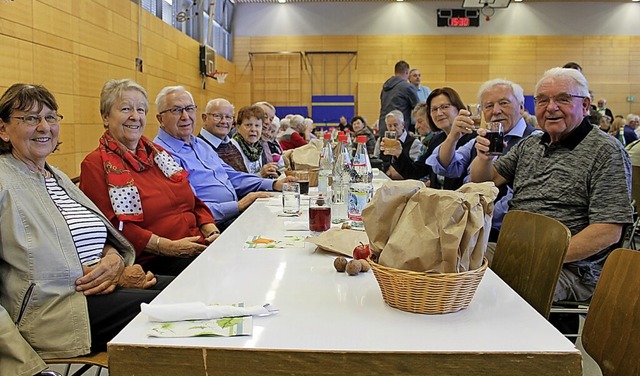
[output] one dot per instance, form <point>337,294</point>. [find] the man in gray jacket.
<point>397,94</point>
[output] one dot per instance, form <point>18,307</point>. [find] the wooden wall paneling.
<point>121,7</point>
<point>53,69</point>
<point>11,28</point>
<point>555,51</point>
<point>54,21</point>
<point>86,111</point>
<point>368,101</point>
<point>513,58</point>
<point>66,162</point>
<point>93,13</point>
<point>21,14</point>
<point>121,24</point>
<point>65,6</point>
<point>377,54</point>
<point>19,67</point>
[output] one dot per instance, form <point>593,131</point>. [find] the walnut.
<point>340,263</point>
<point>353,267</point>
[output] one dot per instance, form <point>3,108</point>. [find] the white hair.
<point>517,90</point>
<point>578,79</point>
<point>396,114</point>
<point>162,95</point>
<point>217,103</point>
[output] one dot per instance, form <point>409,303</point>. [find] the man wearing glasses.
<point>224,190</point>
<point>501,101</point>
<point>217,123</point>
<point>572,172</point>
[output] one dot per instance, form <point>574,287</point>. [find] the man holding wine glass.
<point>501,101</point>
<point>573,173</point>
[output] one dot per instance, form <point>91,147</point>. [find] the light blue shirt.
<point>213,181</point>
<point>213,139</point>
<point>423,93</point>
<point>461,166</point>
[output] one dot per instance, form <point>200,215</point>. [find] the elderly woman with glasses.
<point>64,268</point>
<point>140,187</point>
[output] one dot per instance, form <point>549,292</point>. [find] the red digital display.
<point>459,21</point>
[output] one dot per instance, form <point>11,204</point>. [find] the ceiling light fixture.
<point>282,1</point>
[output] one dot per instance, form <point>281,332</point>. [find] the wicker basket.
<point>427,293</point>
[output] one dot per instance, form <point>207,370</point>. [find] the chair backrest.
<point>610,333</point>
<point>529,256</point>
<point>635,186</point>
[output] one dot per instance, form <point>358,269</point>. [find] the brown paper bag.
<point>305,157</point>
<point>383,212</point>
<point>340,241</point>
<point>441,231</point>
<point>476,235</point>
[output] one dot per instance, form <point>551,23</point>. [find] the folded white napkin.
<point>296,226</point>
<point>198,311</point>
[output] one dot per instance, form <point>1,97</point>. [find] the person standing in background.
<point>397,94</point>
<point>415,79</point>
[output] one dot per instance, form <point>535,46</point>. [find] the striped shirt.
<point>87,230</point>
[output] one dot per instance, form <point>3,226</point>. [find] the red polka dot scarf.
<point>117,162</point>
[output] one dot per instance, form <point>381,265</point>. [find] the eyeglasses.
<point>562,99</point>
<point>178,110</point>
<point>443,107</point>
<point>218,117</point>
<point>34,120</point>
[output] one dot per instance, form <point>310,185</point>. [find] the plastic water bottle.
<point>326,166</point>
<point>349,143</point>
<point>341,181</point>
<point>361,186</point>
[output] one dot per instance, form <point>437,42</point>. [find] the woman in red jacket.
<point>141,189</point>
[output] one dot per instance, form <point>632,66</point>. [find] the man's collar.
<point>518,129</point>
<point>574,138</point>
<point>403,136</point>
<point>173,143</point>
<point>213,139</point>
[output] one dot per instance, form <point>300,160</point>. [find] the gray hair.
<point>297,123</point>
<point>161,101</point>
<point>396,114</point>
<point>517,90</point>
<point>263,103</point>
<point>217,103</point>
<point>112,90</point>
<point>573,75</point>
<point>284,124</point>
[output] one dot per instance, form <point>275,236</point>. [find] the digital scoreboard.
<point>458,18</point>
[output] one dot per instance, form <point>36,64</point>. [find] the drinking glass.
<point>496,138</point>
<point>319,213</point>
<point>303,180</point>
<point>476,115</point>
<point>390,140</point>
<point>291,198</point>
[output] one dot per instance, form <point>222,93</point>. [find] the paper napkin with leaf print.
<point>222,327</point>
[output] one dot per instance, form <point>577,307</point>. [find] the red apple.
<point>362,251</point>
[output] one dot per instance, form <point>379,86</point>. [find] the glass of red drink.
<point>319,213</point>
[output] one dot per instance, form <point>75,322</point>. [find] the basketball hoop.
<point>219,76</point>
